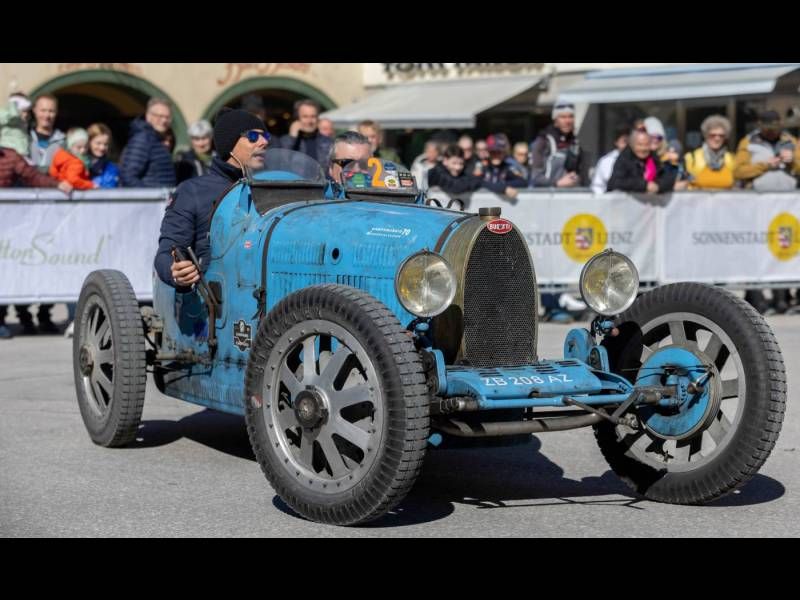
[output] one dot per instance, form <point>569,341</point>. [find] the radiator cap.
<point>490,211</point>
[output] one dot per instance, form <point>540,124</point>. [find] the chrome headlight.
<point>609,283</point>
<point>425,284</point>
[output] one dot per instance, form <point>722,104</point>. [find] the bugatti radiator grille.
<point>499,302</point>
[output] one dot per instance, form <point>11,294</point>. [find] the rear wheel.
<point>716,436</point>
<point>109,358</point>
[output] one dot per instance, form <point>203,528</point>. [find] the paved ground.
<point>193,474</point>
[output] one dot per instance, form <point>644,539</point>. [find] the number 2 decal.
<point>376,178</point>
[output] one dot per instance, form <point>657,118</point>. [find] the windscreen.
<point>287,165</point>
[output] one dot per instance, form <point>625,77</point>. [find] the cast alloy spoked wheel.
<point>723,422</point>
<point>337,405</point>
<point>682,349</point>
<point>327,420</point>
<point>109,358</point>
<point>96,357</point>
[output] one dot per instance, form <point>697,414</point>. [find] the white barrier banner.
<point>731,238</point>
<point>47,249</point>
<point>564,230</point>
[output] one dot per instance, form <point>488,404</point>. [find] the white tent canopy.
<point>672,83</point>
<point>432,105</point>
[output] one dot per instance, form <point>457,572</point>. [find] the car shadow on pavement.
<point>217,430</point>
<point>484,478</point>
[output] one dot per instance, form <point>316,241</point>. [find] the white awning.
<point>432,105</point>
<point>672,83</point>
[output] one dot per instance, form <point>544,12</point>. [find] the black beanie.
<point>229,127</point>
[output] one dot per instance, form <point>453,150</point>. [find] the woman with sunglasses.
<point>710,167</point>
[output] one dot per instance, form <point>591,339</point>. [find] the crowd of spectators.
<point>33,152</point>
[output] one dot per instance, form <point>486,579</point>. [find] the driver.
<point>240,139</point>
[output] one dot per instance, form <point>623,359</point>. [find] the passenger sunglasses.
<point>253,135</point>
<point>343,162</point>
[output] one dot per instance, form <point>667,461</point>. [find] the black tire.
<point>396,415</point>
<point>109,358</point>
<point>741,445</point>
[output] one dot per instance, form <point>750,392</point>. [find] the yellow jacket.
<point>747,170</point>
<point>703,177</point>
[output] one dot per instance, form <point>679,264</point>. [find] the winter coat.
<point>188,165</point>
<point>602,172</point>
<point>104,173</point>
<point>420,168</point>
<point>146,162</point>
<point>553,155</point>
<point>751,165</point>
<point>14,130</point>
<point>42,157</point>
<point>15,170</point>
<point>497,178</point>
<point>68,167</point>
<point>464,183</point>
<point>628,174</point>
<point>187,218</point>
<point>315,145</point>
<point>703,177</point>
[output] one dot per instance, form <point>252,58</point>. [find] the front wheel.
<point>336,405</point>
<point>712,438</point>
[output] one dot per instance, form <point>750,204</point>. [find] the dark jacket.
<point>464,183</point>
<point>498,178</point>
<point>628,174</point>
<point>146,162</point>
<point>15,170</point>
<point>553,155</point>
<point>315,145</point>
<point>469,165</point>
<point>188,165</point>
<point>187,219</point>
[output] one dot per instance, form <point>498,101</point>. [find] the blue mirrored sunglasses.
<point>253,134</point>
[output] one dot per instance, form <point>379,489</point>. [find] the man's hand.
<point>787,156</point>
<point>681,185</point>
<point>184,273</point>
<point>294,129</point>
<point>568,180</point>
<point>774,162</point>
<point>65,186</point>
<point>512,192</point>
<point>652,187</point>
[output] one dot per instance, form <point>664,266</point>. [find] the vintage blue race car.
<point>355,329</point>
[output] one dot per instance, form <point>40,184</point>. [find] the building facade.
<point>414,101</point>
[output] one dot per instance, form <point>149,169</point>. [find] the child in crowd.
<point>14,124</point>
<point>104,173</point>
<point>71,164</point>
<point>673,161</point>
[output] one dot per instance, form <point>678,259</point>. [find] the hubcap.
<point>309,408</point>
<point>86,360</point>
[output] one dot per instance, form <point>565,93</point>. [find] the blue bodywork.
<point>358,243</point>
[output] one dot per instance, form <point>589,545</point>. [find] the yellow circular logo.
<point>583,236</point>
<point>784,236</point>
